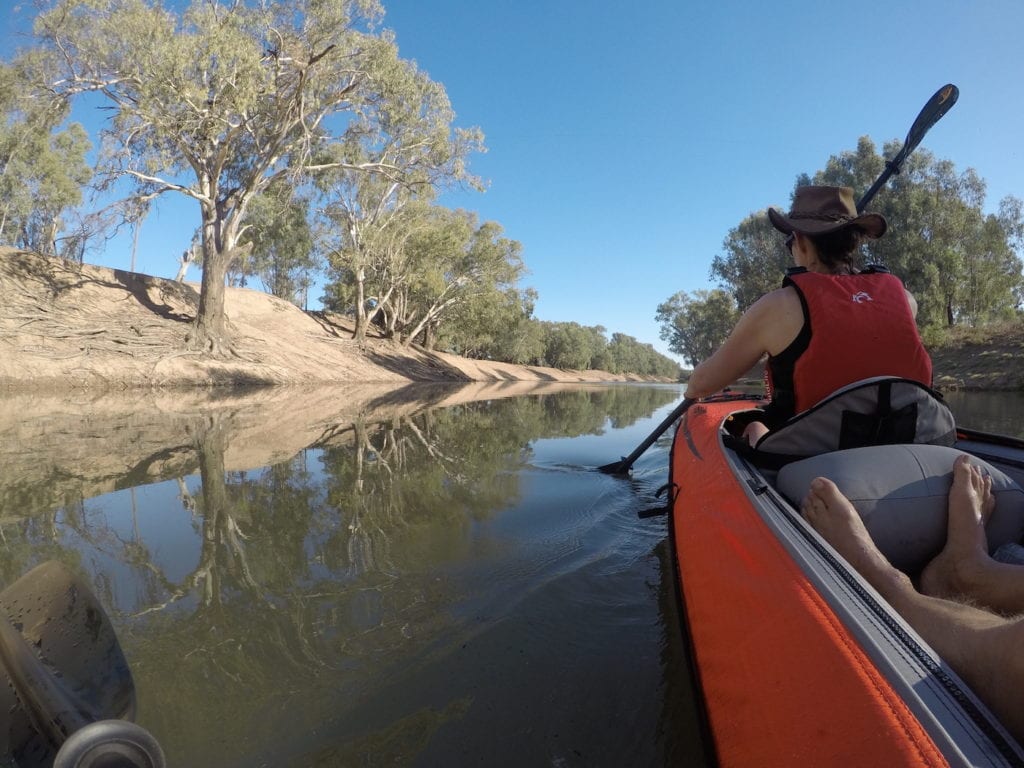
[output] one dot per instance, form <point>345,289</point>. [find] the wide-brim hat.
<point>820,210</point>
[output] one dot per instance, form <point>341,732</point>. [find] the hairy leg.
<point>979,645</point>
<point>963,570</point>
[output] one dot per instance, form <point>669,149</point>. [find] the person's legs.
<point>963,570</point>
<point>980,646</point>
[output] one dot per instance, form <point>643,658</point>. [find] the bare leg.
<point>754,431</point>
<point>963,570</point>
<point>980,646</point>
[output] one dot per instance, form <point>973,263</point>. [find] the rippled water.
<point>310,578</point>
<point>429,585</point>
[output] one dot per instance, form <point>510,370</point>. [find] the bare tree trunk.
<point>360,332</point>
<point>211,332</point>
<point>187,257</point>
<point>430,336</point>
<point>429,318</point>
<point>135,243</point>
<point>211,321</point>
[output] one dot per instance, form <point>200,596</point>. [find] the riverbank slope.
<point>66,325</point>
<point>990,358</point>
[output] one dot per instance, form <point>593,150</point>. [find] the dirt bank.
<point>989,358</point>
<point>65,325</point>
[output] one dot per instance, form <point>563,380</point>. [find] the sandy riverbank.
<point>65,326</point>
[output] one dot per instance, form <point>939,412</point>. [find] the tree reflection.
<point>312,579</point>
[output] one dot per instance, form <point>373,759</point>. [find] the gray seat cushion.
<point>901,494</point>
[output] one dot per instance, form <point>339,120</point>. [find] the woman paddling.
<point>829,325</point>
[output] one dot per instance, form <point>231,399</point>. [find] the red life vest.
<point>855,327</point>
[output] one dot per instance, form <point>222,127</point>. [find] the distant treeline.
<point>528,341</point>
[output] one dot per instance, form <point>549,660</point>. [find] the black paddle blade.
<point>938,105</point>
<point>622,466</point>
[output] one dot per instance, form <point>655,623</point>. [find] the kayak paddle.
<point>938,105</point>
<point>622,466</point>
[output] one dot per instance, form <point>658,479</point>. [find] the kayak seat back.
<point>901,494</point>
<point>878,411</point>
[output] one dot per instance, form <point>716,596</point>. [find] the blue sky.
<point>625,140</point>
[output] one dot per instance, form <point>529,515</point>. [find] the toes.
<point>814,503</point>
<point>977,480</point>
<point>988,500</point>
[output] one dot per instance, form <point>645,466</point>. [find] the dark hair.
<point>840,248</point>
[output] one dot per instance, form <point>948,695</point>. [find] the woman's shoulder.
<point>779,315</point>
<point>783,299</point>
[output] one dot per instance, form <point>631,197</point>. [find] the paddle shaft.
<point>622,467</point>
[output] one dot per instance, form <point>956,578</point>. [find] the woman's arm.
<point>768,327</point>
<point>912,302</point>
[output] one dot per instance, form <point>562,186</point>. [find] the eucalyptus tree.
<point>452,260</point>
<point>570,345</point>
<point>368,224</point>
<point>753,261</point>
<point>42,162</point>
<point>282,255</point>
<point>960,262</point>
<point>220,99</point>
<point>632,356</point>
<point>695,325</point>
<point>411,136</point>
<point>495,324</point>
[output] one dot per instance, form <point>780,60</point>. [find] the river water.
<point>364,577</point>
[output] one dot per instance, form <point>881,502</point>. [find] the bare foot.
<point>958,567</point>
<point>834,517</point>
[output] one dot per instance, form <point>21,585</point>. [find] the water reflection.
<point>998,412</point>
<point>339,577</point>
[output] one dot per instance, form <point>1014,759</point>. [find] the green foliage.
<point>696,325</point>
<point>628,355</point>
<point>453,264</point>
<point>960,263</point>
<point>494,325</point>
<point>282,253</point>
<point>935,336</point>
<point>753,263</point>
<point>42,164</point>
<point>571,345</point>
